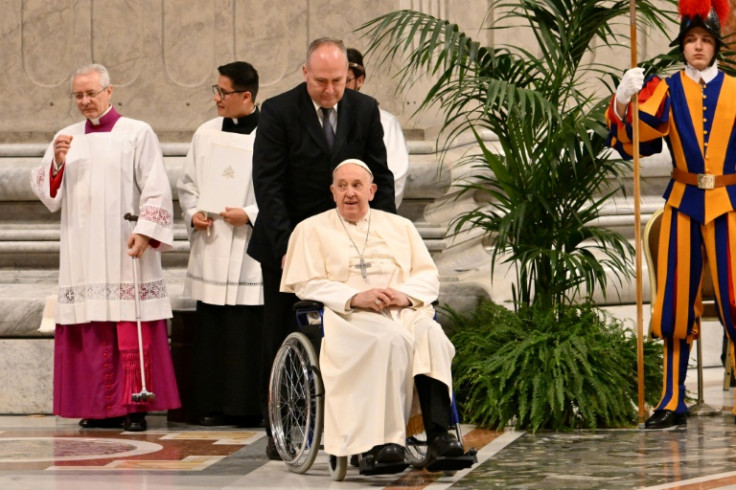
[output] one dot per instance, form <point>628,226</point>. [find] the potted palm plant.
<point>542,193</point>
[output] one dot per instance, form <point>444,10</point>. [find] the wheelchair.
<point>296,404</point>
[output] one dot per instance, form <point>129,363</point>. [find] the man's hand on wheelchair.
<point>378,299</point>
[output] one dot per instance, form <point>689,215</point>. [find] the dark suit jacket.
<point>292,165</point>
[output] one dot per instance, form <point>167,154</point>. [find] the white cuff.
<point>56,167</point>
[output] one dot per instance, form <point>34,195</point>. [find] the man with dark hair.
<point>694,113</point>
<point>242,76</point>
<point>302,135</point>
<point>397,154</point>
<point>219,207</point>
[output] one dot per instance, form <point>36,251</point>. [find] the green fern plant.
<point>538,368</point>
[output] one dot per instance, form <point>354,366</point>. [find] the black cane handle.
<point>130,217</point>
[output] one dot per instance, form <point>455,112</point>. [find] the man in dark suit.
<point>302,135</point>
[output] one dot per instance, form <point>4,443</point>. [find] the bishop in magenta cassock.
<point>96,171</point>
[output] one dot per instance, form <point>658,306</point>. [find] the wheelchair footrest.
<point>453,463</point>
<point>368,466</point>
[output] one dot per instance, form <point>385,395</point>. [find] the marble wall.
<point>163,54</point>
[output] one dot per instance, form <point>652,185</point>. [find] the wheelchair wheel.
<point>296,403</point>
<point>338,467</point>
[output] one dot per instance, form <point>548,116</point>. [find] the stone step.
<point>46,232</point>
<point>23,246</point>
<point>24,294</point>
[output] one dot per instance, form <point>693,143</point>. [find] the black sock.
<point>434,431</point>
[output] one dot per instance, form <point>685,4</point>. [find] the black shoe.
<point>135,422</point>
<point>109,423</point>
<point>664,419</point>
<point>354,461</point>
<point>243,420</point>
<point>387,453</point>
<point>444,446</point>
<point>212,420</point>
<point>271,450</point>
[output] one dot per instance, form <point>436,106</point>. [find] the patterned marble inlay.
<point>31,449</point>
<point>189,463</point>
<point>218,437</point>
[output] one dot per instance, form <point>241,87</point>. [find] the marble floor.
<point>44,452</point>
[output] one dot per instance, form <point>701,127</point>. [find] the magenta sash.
<point>128,347</point>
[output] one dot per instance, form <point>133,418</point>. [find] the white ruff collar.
<point>706,75</point>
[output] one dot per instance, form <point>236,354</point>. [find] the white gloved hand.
<point>631,83</point>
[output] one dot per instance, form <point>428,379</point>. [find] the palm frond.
<point>541,191</point>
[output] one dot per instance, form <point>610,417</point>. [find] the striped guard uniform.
<point>696,120</point>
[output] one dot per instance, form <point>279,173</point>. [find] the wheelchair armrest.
<point>308,304</point>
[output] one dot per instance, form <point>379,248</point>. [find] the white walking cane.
<point>144,394</point>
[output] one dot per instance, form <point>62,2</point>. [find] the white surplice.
<point>397,154</point>
<point>220,272</point>
<point>368,360</point>
<point>106,176</point>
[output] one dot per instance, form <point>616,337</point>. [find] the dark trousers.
<point>279,321</point>
<point>433,398</point>
<point>227,360</point>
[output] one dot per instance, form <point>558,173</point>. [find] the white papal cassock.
<point>107,175</point>
<point>368,359</point>
<point>397,154</point>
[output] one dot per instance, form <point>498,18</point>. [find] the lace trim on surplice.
<point>157,215</point>
<point>119,291</point>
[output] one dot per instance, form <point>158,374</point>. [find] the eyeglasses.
<point>218,91</point>
<point>89,95</point>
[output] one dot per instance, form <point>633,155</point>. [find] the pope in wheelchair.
<point>377,282</point>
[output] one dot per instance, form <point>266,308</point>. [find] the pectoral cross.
<point>363,265</point>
